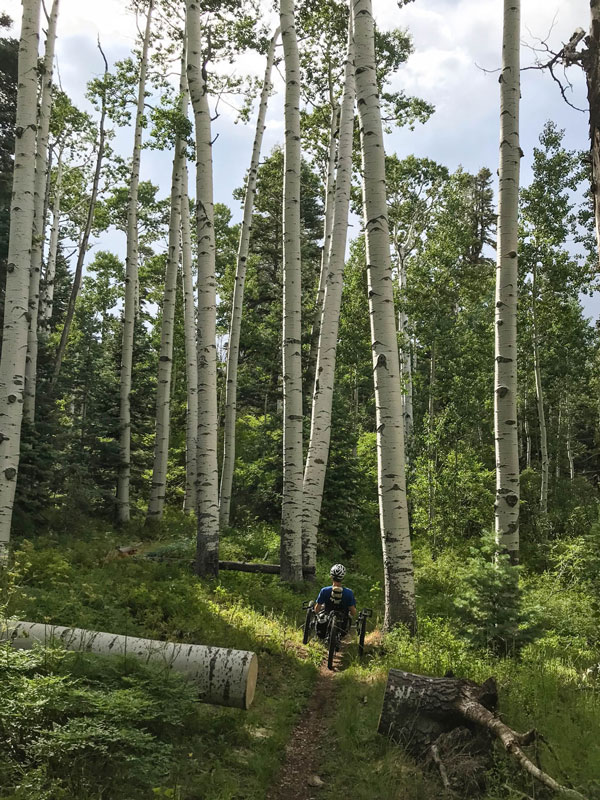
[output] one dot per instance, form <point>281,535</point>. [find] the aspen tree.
<point>207,486</point>
<point>165,360</point>
<point>393,510</point>
<point>16,298</point>
<point>191,354</point>
<point>320,429</point>
<point>131,281</point>
<point>47,295</point>
<point>539,395</point>
<point>41,182</point>
<point>291,512</point>
<point>238,298</point>
<point>505,379</point>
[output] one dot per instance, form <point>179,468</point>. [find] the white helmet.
<point>337,572</point>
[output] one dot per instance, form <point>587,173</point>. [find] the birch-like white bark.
<point>320,426</point>
<point>405,360</point>
<point>47,295</point>
<point>165,360</point>
<point>393,509</point>
<point>207,486</point>
<point>39,232</point>
<point>224,677</point>
<point>570,455</point>
<point>291,511</point>
<point>327,228</point>
<point>131,281</point>
<point>505,379</point>
<point>191,352</point>
<point>16,298</point>
<point>235,324</point>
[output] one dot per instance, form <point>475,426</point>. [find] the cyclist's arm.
<point>317,607</point>
<point>352,611</point>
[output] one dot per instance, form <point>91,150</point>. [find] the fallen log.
<point>267,569</point>
<point>452,722</point>
<point>224,677</point>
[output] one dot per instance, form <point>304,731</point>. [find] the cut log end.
<point>251,679</point>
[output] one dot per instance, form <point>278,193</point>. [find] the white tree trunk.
<point>224,677</point>
<point>41,182</point>
<point>570,446</point>
<point>405,360</point>
<point>47,296</point>
<point>505,383</point>
<point>320,426</point>
<point>393,509</point>
<point>207,486</point>
<point>165,360</point>
<point>327,228</point>
<point>291,511</point>
<point>191,353</point>
<point>16,299</point>
<point>238,299</point>
<point>131,280</point>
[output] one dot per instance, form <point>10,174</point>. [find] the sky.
<point>454,42</point>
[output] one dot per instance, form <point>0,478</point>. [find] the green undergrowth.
<point>74,726</point>
<point>127,731</point>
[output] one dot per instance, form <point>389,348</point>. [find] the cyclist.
<point>335,598</point>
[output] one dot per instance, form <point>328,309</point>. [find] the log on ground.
<point>224,676</point>
<point>267,569</point>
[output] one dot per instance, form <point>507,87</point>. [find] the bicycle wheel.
<point>307,626</point>
<point>333,640</point>
<point>361,636</point>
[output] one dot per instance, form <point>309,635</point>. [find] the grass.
<point>222,754</point>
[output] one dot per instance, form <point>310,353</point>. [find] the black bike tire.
<point>332,644</point>
<point>361,637</point>
<point>307,626</point>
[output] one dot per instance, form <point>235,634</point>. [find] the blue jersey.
<point>347,601</point>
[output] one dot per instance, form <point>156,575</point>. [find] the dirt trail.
<point>302,755</point>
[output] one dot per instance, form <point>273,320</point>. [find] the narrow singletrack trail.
<point>308,739</point>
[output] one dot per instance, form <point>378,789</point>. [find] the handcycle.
<point>337,626</point>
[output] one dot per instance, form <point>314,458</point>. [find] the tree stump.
<point>451,723</point>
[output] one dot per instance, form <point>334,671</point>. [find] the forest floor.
<point>92,727</point>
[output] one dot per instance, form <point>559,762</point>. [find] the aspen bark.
<point>47,295</point>
<point>131,281</point>
<point>165,360</point>
<point>591,65</point>
<point>191,354</point>
<point>405,359</point>
<point>83,243</point>
<point>291,512</point>
<point>38,233</point>
<point>320,426</point>
<point>393,509</point>
<point>570,447</point>
<point>207,486</point>
<point>224,677</point>
<point>238,298</point>
<point>505,379</point>
<point>14,339</point>
<point>327,228</point>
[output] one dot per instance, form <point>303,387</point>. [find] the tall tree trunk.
<point>539,395</point>
<point>505,379</point>
<point>165,361</point>
<point>207,486</point>
<point>591,66</point>
<point>191,352</point>
<point>39,231</point>
<point>238,298</point>
<point>320,426</point>
<point>559,436</point>
<point>405,359</point>
<point>131,291</point>
<point>570,446</point>
<point>327,228</point>
<point>84,240</point>
<point>47,295</point>
<point>393,509</point>
<point>291,513</point>
<point>16,299</point>
<point>527,435</point>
